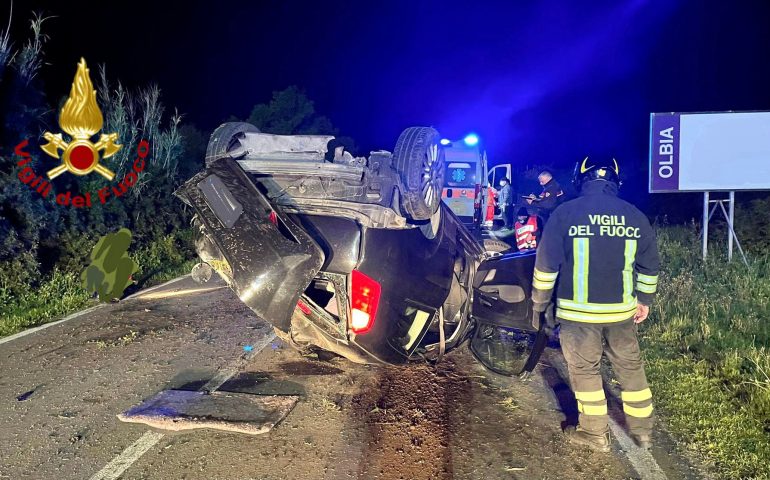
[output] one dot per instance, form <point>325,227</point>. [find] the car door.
<point>504,339</point>
<point>497,173</point>
<point>270,260</point>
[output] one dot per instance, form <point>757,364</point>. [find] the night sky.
<point>540,82</point>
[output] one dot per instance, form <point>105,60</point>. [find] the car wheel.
<point>495,248</point>
<point>201,272</point>
<point>419,161</point>
<point>224,142</point>
<point>430,229</point>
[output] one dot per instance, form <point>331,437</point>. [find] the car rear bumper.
<point>309,330</point>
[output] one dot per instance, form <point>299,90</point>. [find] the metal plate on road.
<point>178,410</point>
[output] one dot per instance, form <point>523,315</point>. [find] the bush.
<point>62,292</point>
<point>706,348</point>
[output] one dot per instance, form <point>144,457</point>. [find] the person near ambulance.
<point>527,228</point>
<point>505,201</point>
<point>550,198</point>
<point>603,252</point>
<point>489,216</point>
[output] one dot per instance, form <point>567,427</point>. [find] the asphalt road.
<point>62,387</point>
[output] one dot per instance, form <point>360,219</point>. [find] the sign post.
<point>705,232</point>
<point>729,215</point>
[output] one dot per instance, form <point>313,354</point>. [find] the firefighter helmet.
<point>587,171</point>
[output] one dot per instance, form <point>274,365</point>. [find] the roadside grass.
<point>62,293</point>
<point>708,357</point>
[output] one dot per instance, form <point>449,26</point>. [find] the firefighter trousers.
<point>583,345</point>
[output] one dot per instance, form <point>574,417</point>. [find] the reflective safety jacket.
<point>526,233</point>
<point>602,253</point>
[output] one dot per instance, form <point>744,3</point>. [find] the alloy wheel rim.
<point>430,173</point>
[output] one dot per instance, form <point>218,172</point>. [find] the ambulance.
<point>467,178</point>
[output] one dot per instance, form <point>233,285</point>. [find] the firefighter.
<point>550,198</point>
<point>603,253</point>
<point>527,228</point>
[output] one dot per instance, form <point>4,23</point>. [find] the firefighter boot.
<point>642,440</point>
<point>596,442</point>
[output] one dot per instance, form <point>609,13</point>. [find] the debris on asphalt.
<point>234,412</point>
<point>514,469</point>
<point>25,395</point>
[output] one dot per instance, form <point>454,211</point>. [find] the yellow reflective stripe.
<point>636,395</point>
<point>545,276</point>
<point>642,412</point>
<point>648,279</point>
<point>594,396</point>
<point>540,285</point>
<point>592,409</point>
<point>628,271</point>
<point>593,317</point>
<point>644,288</point>
<point>597,307</point>
<point>580,253</point>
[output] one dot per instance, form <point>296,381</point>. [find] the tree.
<point>290,112</point>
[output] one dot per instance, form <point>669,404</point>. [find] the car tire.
<point>419,161</point>
<point>496,247</point>
<point>432,228</point>
<point>224,141</point>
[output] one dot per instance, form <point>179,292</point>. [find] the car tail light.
<point>364,299</point>
<point>304,308</point>
<point>273,217</point>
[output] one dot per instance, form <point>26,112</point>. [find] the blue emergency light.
<point>471,139</point>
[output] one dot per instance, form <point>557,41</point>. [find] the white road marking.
<point>641,460</point>
<point>24,333</point>
<point>122,462</point>
<point>156,287</point>
<point>178,293</point>
<point>119,464</point>
<point>224,375</point>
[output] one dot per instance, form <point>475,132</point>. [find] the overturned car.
<point>358,256</point>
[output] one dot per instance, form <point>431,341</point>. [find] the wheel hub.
<point>430,176</point>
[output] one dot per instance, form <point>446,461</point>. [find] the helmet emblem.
<point>583,167</point>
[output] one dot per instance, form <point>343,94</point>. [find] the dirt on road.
<point>450,421</point>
